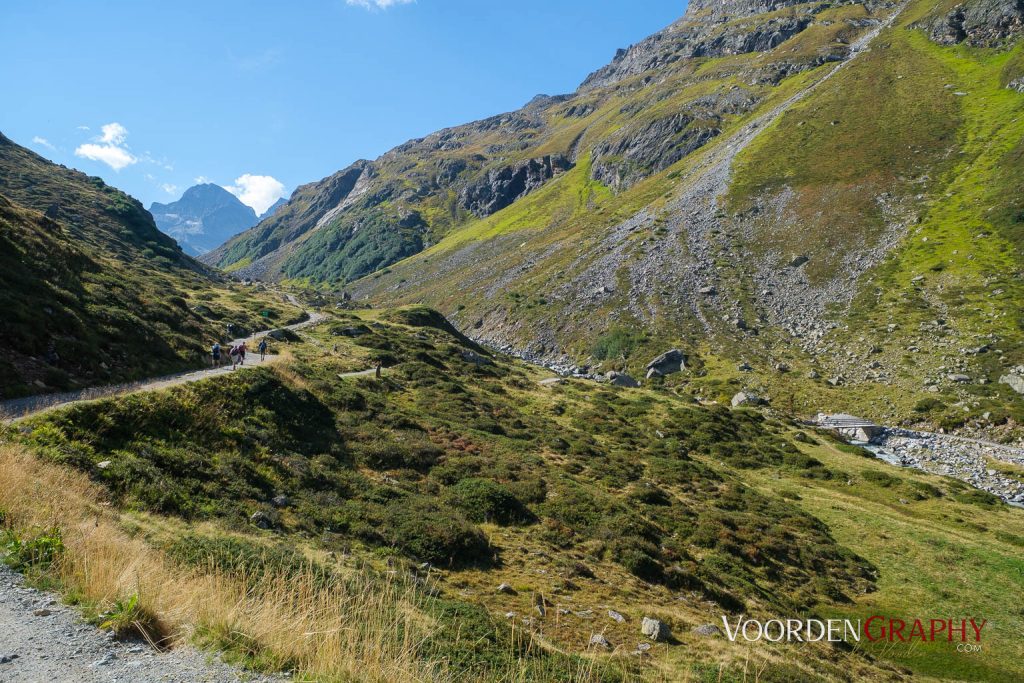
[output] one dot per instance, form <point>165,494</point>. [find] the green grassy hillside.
<point>93,294</point>
<point>581,497</point>
<point>868,235</point>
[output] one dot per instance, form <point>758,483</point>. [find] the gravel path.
<point>20,408</point>
<point>42,641</point>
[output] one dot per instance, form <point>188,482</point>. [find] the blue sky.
<point>263,95</point>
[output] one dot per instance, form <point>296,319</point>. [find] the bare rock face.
<point>979,23</point>
<point>500,187</point>
<point>702,33</point>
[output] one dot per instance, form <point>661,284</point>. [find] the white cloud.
<point>202,180</point>
<point>44,142</point>
<point>114,134</point>
<point>378,4</point>
<point>169,188</point>
<point>257,191</point>
<point>114,157</point>
<point>109,148</point>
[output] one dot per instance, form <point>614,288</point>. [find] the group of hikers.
<point>236,353</point>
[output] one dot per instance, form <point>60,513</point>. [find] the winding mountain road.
<point>20,408</point>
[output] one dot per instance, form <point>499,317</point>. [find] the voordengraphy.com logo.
<point>874,629</point>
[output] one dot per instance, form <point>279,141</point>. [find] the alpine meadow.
<point>711,370</point>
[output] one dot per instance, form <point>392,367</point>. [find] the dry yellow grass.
<point>358,630</point>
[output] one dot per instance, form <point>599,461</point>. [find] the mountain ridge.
<point>205,216</point>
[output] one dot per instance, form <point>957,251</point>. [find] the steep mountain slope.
<point>771,186</point>
<point>373,213</point>
<point>205,217</point>
<point>91,292</point>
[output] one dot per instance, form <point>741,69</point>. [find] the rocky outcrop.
<point>629,157</point>
<point>666,364</point>
<point>979,23</point>
<point>500,187</point>
<point>1016,84</point>
<point>647,147</point>
<point>708,29</point>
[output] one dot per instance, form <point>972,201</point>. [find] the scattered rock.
<point>281,501</point>
<point>667,363</point>
<point>655,629</point>
<point>262,520</point>
<point>616,616</point>
<point>798,261</point>
<point>598,640</point>
<point>745,398</point>
<point>506,589</point>
<point>1015,382</point>
<point>621,379</point>
<point>707,630</point>
<point>42,612</point>
<point>744,367</point>
<point>103,464</point>
<point>959,379</point>
<point>475,358</point>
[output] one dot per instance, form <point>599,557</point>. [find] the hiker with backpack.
<point>262,348</point>
<point>237,355</point>
<point>215,354</point>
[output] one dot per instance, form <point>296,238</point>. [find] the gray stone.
<point>959,379</point>
<point>667,363</point>
<point>1015,382</point>
<point>612,614</point>
<point>474,357</point>
<point>281,501</point>
<point>621,379</point>
<point>506,589</point>
<point>261,519</point>
<point>707,630</point>
<point>598,640</point>
<point>655,629</point>
<point>745,398</point>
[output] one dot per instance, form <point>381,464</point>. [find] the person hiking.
<point>215,354</point>
<point>376,370</point>
<point>241,353</point>
<point>234,355</point>
<point>262,348</point>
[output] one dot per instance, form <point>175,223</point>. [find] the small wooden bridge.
<point>850,426</point>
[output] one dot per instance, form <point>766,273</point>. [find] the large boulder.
<point>655,629</point>
<point>621,379</point>
<point>666,364</point>
<point>1015,382</point>
<point>745,398</point>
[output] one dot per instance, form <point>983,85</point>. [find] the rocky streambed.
<point>984,465</point>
